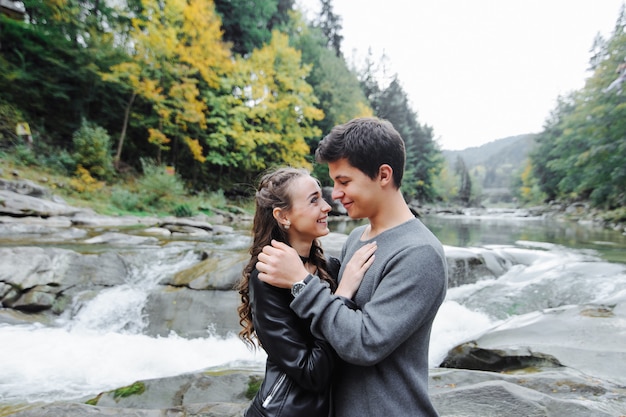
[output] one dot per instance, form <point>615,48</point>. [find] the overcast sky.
<point>478,70</point>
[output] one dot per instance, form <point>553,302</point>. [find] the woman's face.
<point>309,211</point>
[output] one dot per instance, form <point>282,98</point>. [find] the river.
<point>102,347</point>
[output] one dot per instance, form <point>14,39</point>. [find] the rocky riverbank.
<point>565,360</point>
<point>579,212</point>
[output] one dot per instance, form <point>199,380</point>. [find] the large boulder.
<point>15,204</point>
<point>34,279</point>
<point>455,393</point>
<point>218,271</point>
<point>191,313</point>
<point>578,337</point>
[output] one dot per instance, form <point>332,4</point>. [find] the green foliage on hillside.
<point>488,174</point>
<point>581,154</point>
<point>156,191</point>
<point>214,91</point>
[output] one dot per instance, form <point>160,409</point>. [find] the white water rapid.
<point>102,346</point>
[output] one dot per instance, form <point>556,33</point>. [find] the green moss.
<point>254,384</point>
<point>94,401</point>
<point>137,388</point>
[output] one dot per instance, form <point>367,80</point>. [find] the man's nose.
<point>336,194</point>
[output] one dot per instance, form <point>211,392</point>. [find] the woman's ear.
<point>280,218</point>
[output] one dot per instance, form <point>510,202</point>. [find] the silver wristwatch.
<point>297,287</point>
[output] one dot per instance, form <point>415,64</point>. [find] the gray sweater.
<point>384,343</point>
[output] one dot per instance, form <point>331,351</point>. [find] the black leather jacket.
<point>299,368</point>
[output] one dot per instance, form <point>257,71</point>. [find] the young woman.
<point>299,367</point>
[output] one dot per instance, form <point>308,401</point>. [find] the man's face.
<point>355,190</point>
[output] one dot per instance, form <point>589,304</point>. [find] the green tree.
<point>174,56</point>
<point>464,195</point>
<point>248,24</point>
<point>336,87</point>
<point>267,119</point>
<point>282,105</point>
<point>580,153</point>
<point>49,64</point>
<point>446,184</point>
<point>330,24</point>
<point>423,158</point>
<point>525,186</point>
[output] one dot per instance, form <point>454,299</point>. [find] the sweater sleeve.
<point>406,293</point>
<point>287,339</point>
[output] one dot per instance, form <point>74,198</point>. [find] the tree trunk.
<point>120,142</point>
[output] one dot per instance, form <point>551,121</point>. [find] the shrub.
<point>183,210</point>
<point>125,199</point>
<point>84,183</point>
<point>159,189</point>
<point>92,150</point>
<point>58,160</point>
<point>24,155</point>
<point>10,116</point>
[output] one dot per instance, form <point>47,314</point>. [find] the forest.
<point>216,92</point>
<point>581,152</point>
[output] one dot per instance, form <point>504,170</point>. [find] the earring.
<point>287,225</point>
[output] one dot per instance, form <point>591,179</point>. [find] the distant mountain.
<point>494,165</point>
<point>516,147</point>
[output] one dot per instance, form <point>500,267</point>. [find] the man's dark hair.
<point>367,143</point>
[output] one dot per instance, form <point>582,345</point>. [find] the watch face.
<point>297,288</point>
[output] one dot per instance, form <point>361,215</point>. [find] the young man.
<point>384,341</point>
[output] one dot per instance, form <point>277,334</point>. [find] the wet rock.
<point>466,267</point>
<point>471,356</point>
<point>82,410</point>
<point>182,390</point>
<point>157,231</point>
<point>15,204</point>
<point>190,313</point>
<point>42,278</point>
<point>332,243</point>
<point>499,398</point>
<point>25,187</point>
<point>114,238</point>
<point>179,222</point>
<point>454,393</point>
<point>89,218</point>
<point>578,337</point>
<point>216,272</point>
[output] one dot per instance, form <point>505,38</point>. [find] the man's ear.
<point>385,174</point>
